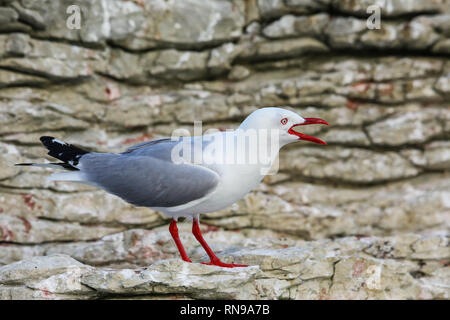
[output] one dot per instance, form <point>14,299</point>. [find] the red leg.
<point>214,260</point>
<point>174,232</point>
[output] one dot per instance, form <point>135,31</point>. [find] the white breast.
<point>236,180</point>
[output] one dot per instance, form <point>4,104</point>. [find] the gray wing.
<point>147,177</point>
<point>146,144</point>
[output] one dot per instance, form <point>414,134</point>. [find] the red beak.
<point>302,136</point>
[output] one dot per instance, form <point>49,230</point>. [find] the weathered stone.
<point>184,65</point>
<point>90,207</point>
<point>275,8</point>
<point>30,17</point>
<point>346,268</point>
<point>390,8</point>
<point>7,15</point>
<point>174,277</point>
<point>10,155</point>
<point>98,23</point>
<point>419,89</point>
<point>28,230</point>
<point>21,114</point>
<point>371,166</point>
<point>434,157</point>
<point>52,277</point>
<point>37,268</point>
<point>442,85</point>
<point>138,70</point>
<point>346,136</point>
<point>11,78</point>
<point>344,32</point>
<point>289,26</point>
<point>238,73</point>
<point>166,23</point>
<point>222,57</point>
<point>130,66</point>
<point>394,69</point>
<point>417,34</point>
<point>407,128</point>
<point>287,48</point>
<point>442,46</point>
<point>437,155</point>
<point>55,60</point>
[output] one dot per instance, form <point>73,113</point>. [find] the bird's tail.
<point>54,165</point>
<point>63,151</point>
<point>68,153</point>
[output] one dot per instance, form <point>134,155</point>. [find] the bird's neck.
<point>260,145</point>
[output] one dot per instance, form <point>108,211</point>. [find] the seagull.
<point>186,176</point>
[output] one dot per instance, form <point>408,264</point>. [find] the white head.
<point>282,120</point>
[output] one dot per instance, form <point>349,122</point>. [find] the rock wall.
<point>365,217</point>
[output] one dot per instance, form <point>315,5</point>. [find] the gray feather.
<point>145,144</point>
<point>146,176</point>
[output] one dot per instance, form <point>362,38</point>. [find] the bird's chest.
<point>238,180</point>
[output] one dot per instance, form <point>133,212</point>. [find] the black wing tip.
<point>23,164</point>
<point>62,150</point>
<point>46,140</point>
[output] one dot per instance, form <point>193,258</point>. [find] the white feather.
<point>75,176</point>
<point>47,165</point>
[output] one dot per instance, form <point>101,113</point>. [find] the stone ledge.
<point>401,267</point>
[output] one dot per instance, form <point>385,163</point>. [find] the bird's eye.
<point>284,121</point>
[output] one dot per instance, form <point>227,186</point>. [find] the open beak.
<point>302,136</point>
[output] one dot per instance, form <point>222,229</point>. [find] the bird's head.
<point>286,121</point>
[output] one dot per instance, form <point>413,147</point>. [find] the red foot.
<point>225,265</point>
<point>174,232</point>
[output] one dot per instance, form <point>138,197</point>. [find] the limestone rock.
<point>37,268</point>
<point>275,8</point>
<point>390,8</point>
<point>23,230</point>
<point>412,127</point>
<point>285,48</point>
<point>289,26</point>
<point>365,217</point>
<point>323,269</point>
<point>173,276</point>
<point>49,277</point>
<point>238,73</point>
<point>166,23</point>
<point>332,163</point>
<point>58,60</point>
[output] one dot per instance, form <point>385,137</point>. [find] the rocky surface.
<point>402,267</point>
<point>375,202</point>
